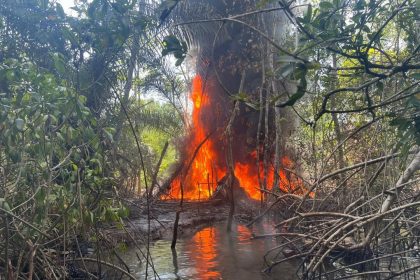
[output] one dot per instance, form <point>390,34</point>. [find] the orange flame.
<point>206,170</point>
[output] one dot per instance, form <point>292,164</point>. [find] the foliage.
<point>64,85</point>
<point>51,156</point>
<point>172,45</point>
<point>367,54</point>
<point>355,68</point>
<point>155,124</point>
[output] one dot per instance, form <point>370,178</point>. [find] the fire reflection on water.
<point>211,254</point>
<point>204,252</point>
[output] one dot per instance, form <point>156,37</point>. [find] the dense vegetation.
<point>67,152</point>
<point>88,102</point>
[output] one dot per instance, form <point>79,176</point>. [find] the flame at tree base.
<point>209,164</point>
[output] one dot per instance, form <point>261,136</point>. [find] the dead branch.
<point>113,266</point>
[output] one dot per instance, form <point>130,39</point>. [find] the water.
<point>212,253</point>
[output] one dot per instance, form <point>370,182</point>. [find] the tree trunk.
<point>178,213</point>
<point>260,121</point>
<point>337,128</point>
<point>266,139</point>
<point>404,178</point>
<point>230,162</point>
<point>277,120</point>
<point>392,194</point>
<point>127,87</point>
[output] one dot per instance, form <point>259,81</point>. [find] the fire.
<point>209,164</point>
<point>201,180</point>
<point>247,176</point>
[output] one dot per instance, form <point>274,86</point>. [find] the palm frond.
<point>165,119</point>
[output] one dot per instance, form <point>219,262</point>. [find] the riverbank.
<point>161,223</point>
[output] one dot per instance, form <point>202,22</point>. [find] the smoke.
<point>225,50</point>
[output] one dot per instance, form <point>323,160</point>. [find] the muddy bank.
<point>162,216</point>
<point>203,245</point>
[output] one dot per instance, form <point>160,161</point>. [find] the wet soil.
<point>162,216</point>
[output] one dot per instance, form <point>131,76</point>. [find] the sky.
<point>66,5</point>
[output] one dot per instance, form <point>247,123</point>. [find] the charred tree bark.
<point>266,140</point>
<point>155,174</point>
<point>277,156</point>
<point>176,223</point>
<point>231,176</point>
<point>277,121</point>
<point>260,120</point>
<point>230,162</point>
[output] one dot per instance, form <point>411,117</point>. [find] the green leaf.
<point>415,75</point>
<point>120,8</point>
<point>82,99</point>
<point>77,9</point>
<point>301,89</point>
<point>401,122</point>
<point>171,45</point>
<point>252,105</point>
<point>366,29</point>
<point>60,137</point>
<point>40,196</point>
<point>241,96</point>
<point>60,10</point>
<point>325,5</point>
<point>90,217</point>
<point>123,212</point>
<point>19,124</point>
<point>295,97</point>
<point>4,204</point>
<point>308,15</point>
<point>59,63</point>
<point>380,86</point>
<point>108,132</point>
<point>92,8</point>
<point>285,70</point>
<point>287,58</point>
<point>166,7</point>
<point>179,61</point>
<point>314,65</point>
<point>67,34</point>
<point>360,5</point>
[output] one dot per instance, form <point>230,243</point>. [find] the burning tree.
<point>233,94</point>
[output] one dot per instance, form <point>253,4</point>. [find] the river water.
<point>211,253</point>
